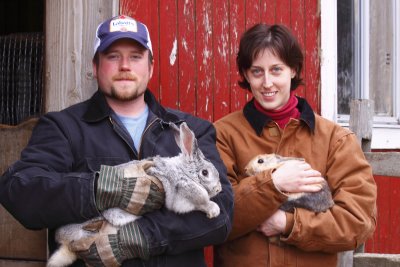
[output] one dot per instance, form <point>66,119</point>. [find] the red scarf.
<point>281,116</point>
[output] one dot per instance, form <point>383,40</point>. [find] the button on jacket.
<point>53,182</point>
<point>311,239</point>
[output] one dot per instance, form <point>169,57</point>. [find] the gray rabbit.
<point>188,179</point>
<point>319,201</point>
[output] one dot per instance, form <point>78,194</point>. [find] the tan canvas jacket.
<point>311,239</point>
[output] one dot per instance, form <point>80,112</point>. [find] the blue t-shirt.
<point>135,126</point>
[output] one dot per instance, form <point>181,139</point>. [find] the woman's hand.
<point>274,225</point>
<point>296,176</point>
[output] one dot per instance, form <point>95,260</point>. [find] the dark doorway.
<point>21,60</point>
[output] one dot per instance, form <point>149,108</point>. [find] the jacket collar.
<point>98,109</point>
<point>258,120</point>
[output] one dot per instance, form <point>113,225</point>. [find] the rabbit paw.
<point>213,210</point>
<point>119,217</point>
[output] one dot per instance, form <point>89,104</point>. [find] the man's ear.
<point>94,66</point>
<point>151,68</point>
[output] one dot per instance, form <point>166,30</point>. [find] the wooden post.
<point>70,30</point>
<point>361,121</point>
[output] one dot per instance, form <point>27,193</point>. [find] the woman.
<point>276,121</point>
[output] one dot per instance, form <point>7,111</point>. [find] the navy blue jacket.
<point>53,182</point>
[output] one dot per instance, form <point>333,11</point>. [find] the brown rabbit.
<point>318,201</point>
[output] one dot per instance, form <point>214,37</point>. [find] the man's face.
<point>123,70</point>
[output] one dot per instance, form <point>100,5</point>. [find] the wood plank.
<point>252,16</point>
<point>253,13</point>
<point>169,91</point>
<point>361,121</point>
<point>384,189</point>
<point>221,53</point>
<point>375,259</point>
<point>204,54</point>
<point>384,163</point>
<point>70,29</point>
<point>268,11</point>
<point>187,62</point>
<point>312,77</point>
<point>283,9</point>
<point>383,240</point>
<point>148,13</point>
<point>297,25</point>
<point>238,95</point>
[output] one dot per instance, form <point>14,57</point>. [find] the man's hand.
<point>274,225</point>
<point>128,187</point>
<point>110,246</point>
<point>296,176</point>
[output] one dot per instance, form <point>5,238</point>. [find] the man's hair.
<point>278,40</point>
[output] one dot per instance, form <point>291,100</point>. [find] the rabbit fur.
<point>188,179</point>
<point>317,201</point>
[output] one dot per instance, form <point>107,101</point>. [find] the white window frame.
<point>386,131</point>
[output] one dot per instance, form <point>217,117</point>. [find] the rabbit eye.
<point>260,161</point>
<point>204,172</point>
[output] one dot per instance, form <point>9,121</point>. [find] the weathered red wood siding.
<point>195,44</point>
<point>387,234</point>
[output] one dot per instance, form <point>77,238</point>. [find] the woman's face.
<point>269,78</point>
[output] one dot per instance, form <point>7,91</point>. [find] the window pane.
<point>346,55</point>
<point>381,56</point>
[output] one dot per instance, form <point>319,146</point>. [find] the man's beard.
<point>125,96</point>
<point>126,93</point>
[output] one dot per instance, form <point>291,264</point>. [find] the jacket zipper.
<point>126,141</point>
<point>144,132</point>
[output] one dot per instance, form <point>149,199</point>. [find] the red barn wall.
<point>195,44</point>
<point>387,233</point>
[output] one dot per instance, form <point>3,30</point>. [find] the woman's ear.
<point>245,75</point>
<point>293,73</point>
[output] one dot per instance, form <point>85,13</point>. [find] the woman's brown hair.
<point>276,38</point>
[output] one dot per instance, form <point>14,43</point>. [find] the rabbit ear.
<point>177,134</point>
<point>187,141</point>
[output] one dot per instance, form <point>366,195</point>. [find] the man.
<point>58,179</point>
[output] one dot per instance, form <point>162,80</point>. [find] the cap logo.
<point>123,25</point>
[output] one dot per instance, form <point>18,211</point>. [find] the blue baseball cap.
<point>120,27</point>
